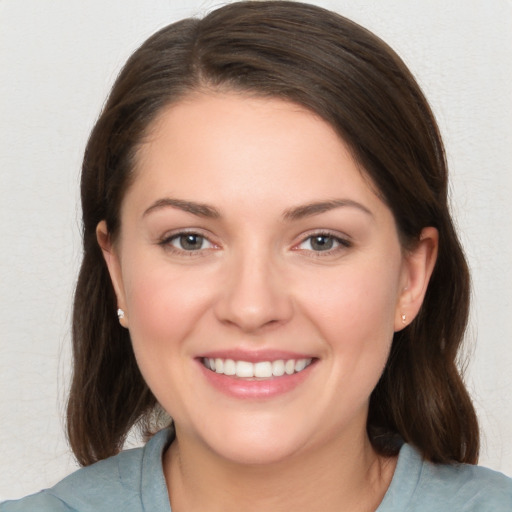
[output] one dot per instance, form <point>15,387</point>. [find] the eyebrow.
<point>199,209</point>
<point>316,208</point>
<point>291,214</point>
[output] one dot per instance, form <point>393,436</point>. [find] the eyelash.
<point>340,243</point>
<point>166,243</point>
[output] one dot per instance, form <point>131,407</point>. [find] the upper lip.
<point>254,356</point>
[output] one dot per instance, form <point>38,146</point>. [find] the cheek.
<point>164,305</point>
<point>357,299</point>
<point>354,310</point>
<point>164,310</point>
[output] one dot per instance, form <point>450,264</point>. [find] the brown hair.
<point>353,80</point>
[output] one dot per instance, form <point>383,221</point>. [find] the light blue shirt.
<point>133,481</point>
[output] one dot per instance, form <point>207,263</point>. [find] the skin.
<point>257,281</point>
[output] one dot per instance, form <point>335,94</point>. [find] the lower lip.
<point>255,389</point>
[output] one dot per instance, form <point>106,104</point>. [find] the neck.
<point>346,477</point>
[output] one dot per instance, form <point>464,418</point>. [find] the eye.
<point>323,242</point>
<point>187,242</point>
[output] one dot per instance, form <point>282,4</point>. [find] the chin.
<point>253,453</point>
<point>254,442</point>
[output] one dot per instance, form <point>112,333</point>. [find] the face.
<point>261,277</point>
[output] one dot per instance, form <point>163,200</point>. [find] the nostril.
<point>254,297</point>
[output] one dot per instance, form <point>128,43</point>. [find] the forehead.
<point>223,147</point>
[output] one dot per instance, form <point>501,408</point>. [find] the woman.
<point>269,259</point>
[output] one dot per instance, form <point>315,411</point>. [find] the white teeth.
<point>260,370</point>
<point>289,366</point>
<point>263,369</point>
<point>244,369</point>
<point>299,365</point>
<point>278,368</point>
<point>229,367</point>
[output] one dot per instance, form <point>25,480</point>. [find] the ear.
<point>418,264</point>
<point>114,267</point>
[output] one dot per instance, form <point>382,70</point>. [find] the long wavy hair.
<point>355,82</point>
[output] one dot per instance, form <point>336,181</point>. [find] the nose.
<point>255,295</point>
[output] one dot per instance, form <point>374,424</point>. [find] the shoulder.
<point>470,488</point>
<point>89,488</point>
<point>422,486</point>
<point>111,484</point>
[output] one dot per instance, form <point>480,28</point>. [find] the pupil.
<point>191,242</point>
<point>322,243</point>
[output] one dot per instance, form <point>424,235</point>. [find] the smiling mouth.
<point>260,370</point>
